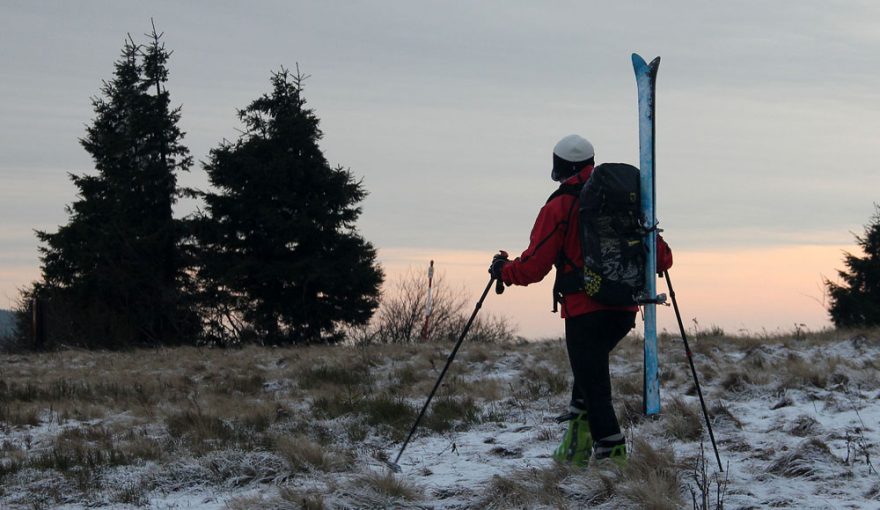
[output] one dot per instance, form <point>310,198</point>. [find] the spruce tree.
<point>280,259</point>
<point>113,275</point>
<point>857,302</point>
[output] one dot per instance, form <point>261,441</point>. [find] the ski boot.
<point>577,444</point>
<point>612,447</point>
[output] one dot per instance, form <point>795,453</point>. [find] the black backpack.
<point>612,235</point>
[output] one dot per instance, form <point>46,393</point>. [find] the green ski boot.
<point>614,448</point>
<point>577,444</point>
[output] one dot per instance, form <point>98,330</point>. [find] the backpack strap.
<point>571,281</point>
<point>566,189</point>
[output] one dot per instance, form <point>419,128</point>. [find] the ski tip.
<point>642,68</point>
<point>641,62</point>
<point>638,61</point>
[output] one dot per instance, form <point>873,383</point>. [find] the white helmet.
<point>570,155</point>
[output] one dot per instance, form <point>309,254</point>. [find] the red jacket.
<point>556,228</point>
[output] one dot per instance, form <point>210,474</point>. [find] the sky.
<point>767,120</point>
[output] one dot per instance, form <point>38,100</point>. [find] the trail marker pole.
<point>428,302</point>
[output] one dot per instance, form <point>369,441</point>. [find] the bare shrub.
<point>400,317</point>
<point>705,486</point>
<point>401,314</point>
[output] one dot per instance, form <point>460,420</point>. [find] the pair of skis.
<point>646,80</point>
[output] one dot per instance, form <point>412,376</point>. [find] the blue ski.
<point>646,79</point>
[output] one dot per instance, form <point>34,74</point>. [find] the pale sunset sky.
<point>768,115</point>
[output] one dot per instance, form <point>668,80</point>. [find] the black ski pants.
<point>590,338</point>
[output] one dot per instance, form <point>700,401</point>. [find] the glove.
<point>498,262</point>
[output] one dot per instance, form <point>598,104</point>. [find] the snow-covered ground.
<point>796,423</point>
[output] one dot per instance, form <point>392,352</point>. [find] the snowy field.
<point>796,422</point>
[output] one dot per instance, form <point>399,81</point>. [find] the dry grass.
<point>652,477</point>
<point>722,417</point>
<point>528,488</point>
<point>304,454</point>
<point>803,461</point>
<point>683,421</point>
<point>230,418</point>
<point>542,381</point>
<point>384,490</point>
<point>629,385</point>
<point>803,426</point>
<point>302,500</point>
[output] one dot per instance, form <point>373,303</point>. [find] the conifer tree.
<point>113,275</point>
<point>280,258</point>
<point>857,302</point>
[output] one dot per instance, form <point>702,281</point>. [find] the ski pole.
<point>687,350</point>
<point>393,465</point>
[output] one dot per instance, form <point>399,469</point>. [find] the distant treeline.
<point>272,256</point>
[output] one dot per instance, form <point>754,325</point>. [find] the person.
<point>592,329</point>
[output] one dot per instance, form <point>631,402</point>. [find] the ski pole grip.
<point>499,284</point>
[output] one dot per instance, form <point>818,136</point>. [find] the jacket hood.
<point>580,177</point>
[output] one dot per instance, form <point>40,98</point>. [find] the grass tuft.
<point>389,487</point>
<point>683,420</point>
<point>304,454</point>
<point>527,488</point>
<point>302,500</point>
<point>446,412</point>
<point>803,461</point>
<point>651,477</point>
